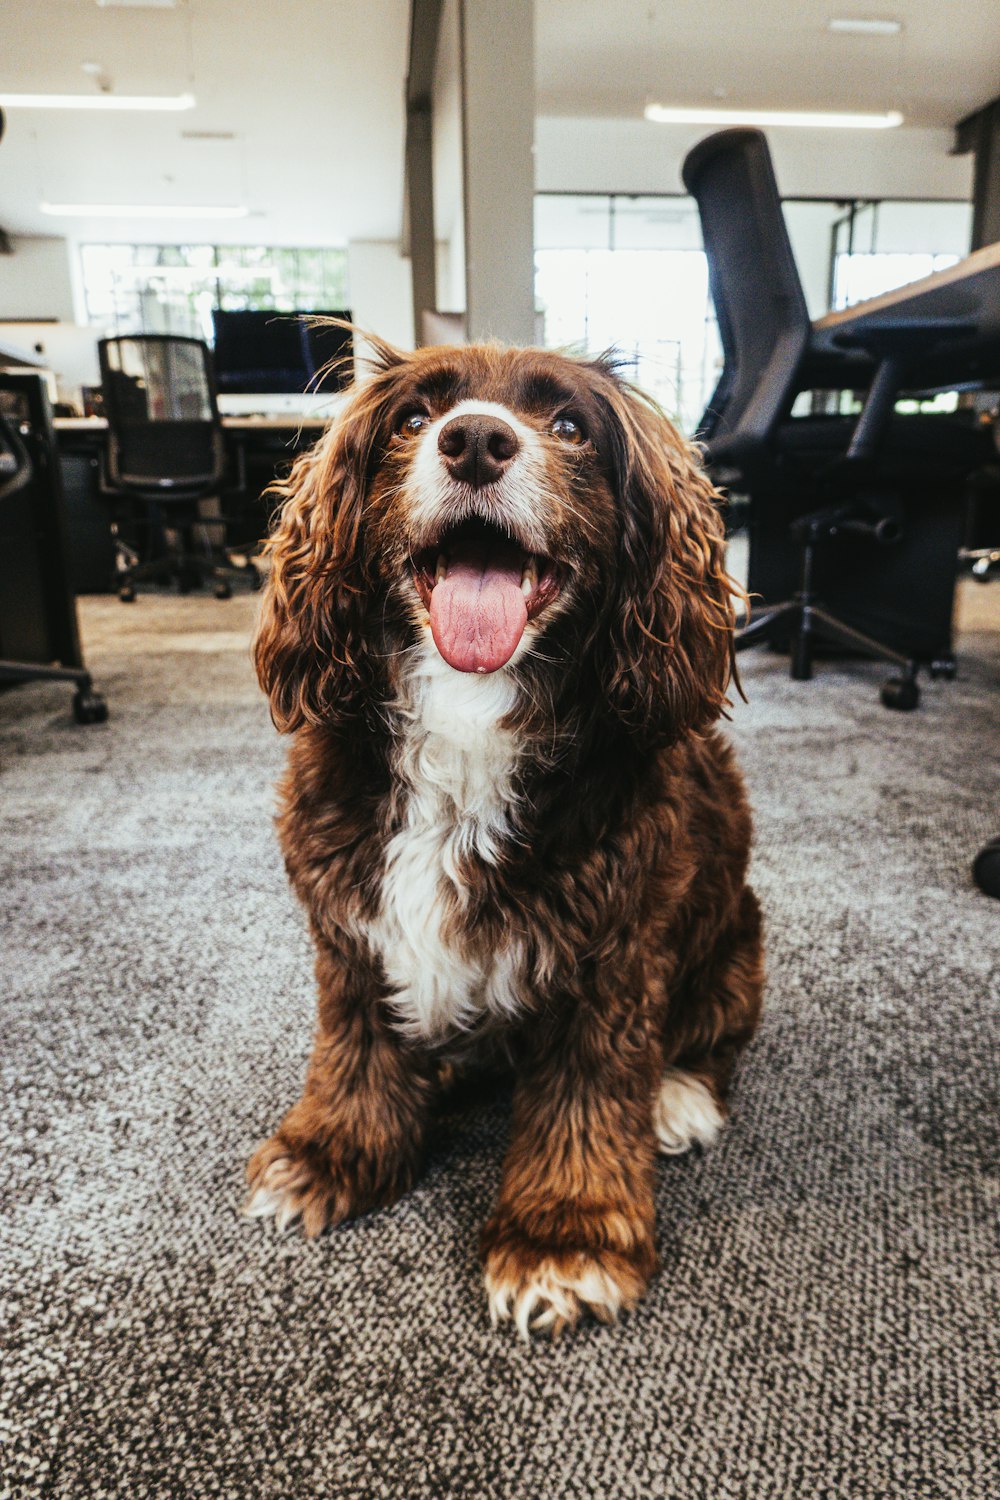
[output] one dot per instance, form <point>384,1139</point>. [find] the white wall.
<point>380,290</point>
<point>635,156</point>
<point>36,282</point>
<point>68,350</point>
<point>449,221</point>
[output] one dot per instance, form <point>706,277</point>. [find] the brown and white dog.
<point>499,623</point>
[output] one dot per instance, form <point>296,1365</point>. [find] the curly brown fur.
<point>541,858</point>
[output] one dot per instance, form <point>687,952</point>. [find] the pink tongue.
<point>478,612</point>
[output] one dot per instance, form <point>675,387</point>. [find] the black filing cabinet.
<point>37,606</point>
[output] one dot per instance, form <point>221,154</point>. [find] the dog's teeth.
<point>442,569</point>
<point>529,578</point>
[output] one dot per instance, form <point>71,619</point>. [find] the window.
<point>878,246</point>
<point>174,288</point>
<point>630,273</point>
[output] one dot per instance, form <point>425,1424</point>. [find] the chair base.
<point>808,622</point>
<point>190,568</point>
<point>986,868</point>
<point>985,562</point>
<point>88,707</point>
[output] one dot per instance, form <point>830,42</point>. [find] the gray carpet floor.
<point>825,1322</point>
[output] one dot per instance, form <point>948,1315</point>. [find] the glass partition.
<point>629,273</point>
<point>175,288</point>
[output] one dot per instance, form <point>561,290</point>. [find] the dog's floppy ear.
<point>671,631</point>
<point>310,650</point>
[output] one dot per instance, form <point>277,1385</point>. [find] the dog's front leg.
<point>354,1140</point>
<point>573,1230</point>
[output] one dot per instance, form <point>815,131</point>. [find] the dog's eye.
<point>413,424</point>
<point>568,431</point>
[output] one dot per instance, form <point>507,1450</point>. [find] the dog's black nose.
<point>477,448</point>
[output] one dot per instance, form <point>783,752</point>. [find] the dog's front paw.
<point>289,1183</point>
<point>544,1288</point>
<point>309,1181</point>
<point>685,1113</point>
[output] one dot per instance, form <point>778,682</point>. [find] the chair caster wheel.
<point>986,868</point>
<point>223,591</point>
<point>943,666</point>
<point>127,593</point>
<point>89,707</point>
<point>901,693</point>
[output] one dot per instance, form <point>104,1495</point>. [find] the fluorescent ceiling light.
<point>865,26</point>
<point>668,114</point>
<point>143,211</point>
<point>98,101</point>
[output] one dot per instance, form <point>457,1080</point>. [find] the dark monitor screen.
<point>265,352</point>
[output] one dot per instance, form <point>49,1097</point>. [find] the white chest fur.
<point>457,766</point>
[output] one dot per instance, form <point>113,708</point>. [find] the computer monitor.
<point>265,352</point>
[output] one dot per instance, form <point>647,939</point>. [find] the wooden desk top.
<point>977,273</point>
<point>282,423</point>
<point>961,307</point>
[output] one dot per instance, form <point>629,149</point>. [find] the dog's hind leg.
<point>710,1020</point>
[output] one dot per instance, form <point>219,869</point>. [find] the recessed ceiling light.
<point>865,25</point>
<point>668,114</point>
<point>98,101</point>
<point>144,211</point>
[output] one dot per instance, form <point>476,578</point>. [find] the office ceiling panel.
<point>48,42</point>
<point>596,58</point>
<point>299,112</point>
<point>299,117</point>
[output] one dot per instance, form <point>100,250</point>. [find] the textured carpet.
<point>825,1321</point>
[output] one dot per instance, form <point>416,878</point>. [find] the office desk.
<point>959,311</point>
<point>952,319</point>
<point>37,608</point>
<point>288,424</point>
<point>262,449</point>
<point>942,332</point>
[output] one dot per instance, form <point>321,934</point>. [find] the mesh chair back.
<point>16,467</point>
<point>763,320</point>
<point>163,420</point>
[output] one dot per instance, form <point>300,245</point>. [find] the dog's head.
<point>526,512</point>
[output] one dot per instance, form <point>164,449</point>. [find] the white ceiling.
<point>312,93</point>
<point>601,58</point>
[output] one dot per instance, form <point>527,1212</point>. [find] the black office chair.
<point>166,458</point>
<point>17,472</point>
<point>834,481</point>
<point>986,868</point>
<point>980,551</point>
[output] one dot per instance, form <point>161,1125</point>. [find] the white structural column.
<point>497,50</point>
<point>418,230</point>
